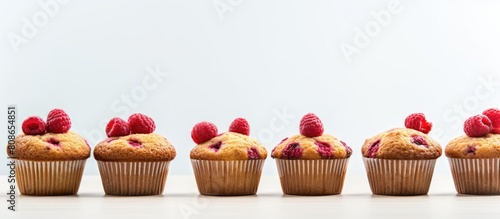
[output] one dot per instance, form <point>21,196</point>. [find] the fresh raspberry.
<point>494,115</point>
<point>292,151</point>
<point>324,149</point>
<point>240,125</point>
<point>311,126</point>
<point>477,126</point>
<point>117,127</point>
<point>139,123</point>
<point>203,132</point>
<point>417,122</point>
<point>253,153</point>
<point>419,140</point>
<point>372,150</point>
<point>33,125</point>
<point>58,121</point>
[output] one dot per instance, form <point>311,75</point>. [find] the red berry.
<point>348,150</point>
<point>324,149</point>
<point>311,126</point>
<point>477,126</point>
<point>419,140</point>
<point>494,115</point>
<point>139,123</point>
<point>372,150</point>
<point>253,153</point>
<point>292,151</point>
<point>240,125</point>
<point>58,121</point>
<point>203,132</point>
<point>216,146</point>
<point>417,122</point>
<point>117,127</point>
<point>33,125</point>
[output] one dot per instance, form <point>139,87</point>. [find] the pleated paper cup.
<point>312,177</point>
<point>399,177</point>
<point>49,177</point>
<point>133,178</point>
<point>236,177</point>
<point>476,176</point>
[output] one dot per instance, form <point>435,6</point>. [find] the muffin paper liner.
<point>312,177</point>
<point>237,177</point>
<point>133,178</point>
<point>476,176</point>
<point>49,177</point>
<point>399,177</point>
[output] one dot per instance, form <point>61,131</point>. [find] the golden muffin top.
<point>51,147</point>
<point>474,147</point>
<point>49,140</point>
<point>325,146</point>
<point>236,144</point>
<point>133,140</point>
<point>135,147</point>
<point>481,139</point>
<point>410,143</point>
<point>401,143</point>
<point>311,143</point>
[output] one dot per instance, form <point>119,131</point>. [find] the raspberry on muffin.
<point>311,143</point>
<point>311,163</point>
<point>232,145</point>
<point>401,155</point>
<point>133,160</point>
<point>50,157</point>
<point>480,140</point>
<point>134,141</point>
<point>228,163</point>
<point>474,157</point>
<point>411,142</point>
<point>51,140</point>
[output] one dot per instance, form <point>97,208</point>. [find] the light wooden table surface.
<point>181,200</point>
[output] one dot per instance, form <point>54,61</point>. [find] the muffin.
<point>229,163</point>
<point>133,160</point>
<point>49,158</point>
<point>401,161</point>
<point>475,157</point>
<point>311,163</point>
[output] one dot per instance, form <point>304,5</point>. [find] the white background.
<point>253,59</point>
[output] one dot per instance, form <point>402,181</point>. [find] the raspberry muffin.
<point>229,163</point>
<point>475,157</point>
<point>401,161</point>
<point>49,158</point>
<point>133,160</point>
<point>311,163</point>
